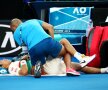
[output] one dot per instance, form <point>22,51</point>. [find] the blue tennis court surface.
<point>83,82</point>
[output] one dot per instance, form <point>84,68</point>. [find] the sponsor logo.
<point>79,11</point>
<point>7,42</point>
<point>83,61</point>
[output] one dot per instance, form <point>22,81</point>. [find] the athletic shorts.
<point>47,47</point>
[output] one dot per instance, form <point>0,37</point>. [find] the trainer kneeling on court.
<point>40,44</point>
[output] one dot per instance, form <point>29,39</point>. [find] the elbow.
<point>51,27</point>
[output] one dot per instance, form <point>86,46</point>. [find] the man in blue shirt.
<point>40,44</point>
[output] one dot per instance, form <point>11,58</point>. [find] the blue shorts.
<point>43,49</point>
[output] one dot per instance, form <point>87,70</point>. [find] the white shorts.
<point>55,67</point>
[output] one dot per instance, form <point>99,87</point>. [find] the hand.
<point>25,57</point>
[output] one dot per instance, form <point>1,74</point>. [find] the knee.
<point>63,40</point>
<point>62,52</point>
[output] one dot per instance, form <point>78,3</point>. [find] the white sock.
<point>77,55</point>
<point>104,70</point>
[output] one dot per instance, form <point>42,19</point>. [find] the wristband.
<point>23,62</point>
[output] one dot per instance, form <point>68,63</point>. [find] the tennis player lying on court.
<point>51,67</point>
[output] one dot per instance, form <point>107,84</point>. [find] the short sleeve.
<point>40,22</point>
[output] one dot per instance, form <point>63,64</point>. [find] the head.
<point>15,23</point>
<point>5,63</point>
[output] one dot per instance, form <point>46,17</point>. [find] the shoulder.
<point>33,21</point>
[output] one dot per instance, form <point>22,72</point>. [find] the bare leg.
<point>86,69</point>
<point>72,51</point>
<point>66,56</point>
<point>67,60</point>
<point>69,48</point>
<point>67,51</point>
<point>76,66</point>
<point>91,70</point>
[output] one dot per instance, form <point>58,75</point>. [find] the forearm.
<point>23,71</point>
<point>51,32</point>
<point>49,28</point>
<point>25,57</point>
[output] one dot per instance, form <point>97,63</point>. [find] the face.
<point>13,27</point>
<point>5,63</point>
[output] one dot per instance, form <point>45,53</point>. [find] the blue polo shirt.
<point>31,33</point>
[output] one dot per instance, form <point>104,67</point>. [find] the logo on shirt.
<point>7,43</point>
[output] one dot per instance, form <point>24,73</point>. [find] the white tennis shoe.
<point>87,59</point>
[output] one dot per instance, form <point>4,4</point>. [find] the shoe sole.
<point>37,71</point>
<point>70,74</point>
<point>37,75</point>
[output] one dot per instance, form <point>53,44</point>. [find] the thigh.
<point>62,52</point>
<point>37,53</point>
<point>54,48</point>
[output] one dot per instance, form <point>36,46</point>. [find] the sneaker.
<point>86,60</point>
<point>37,70</point>
<point>104,70</point>
<point>72,72</point>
